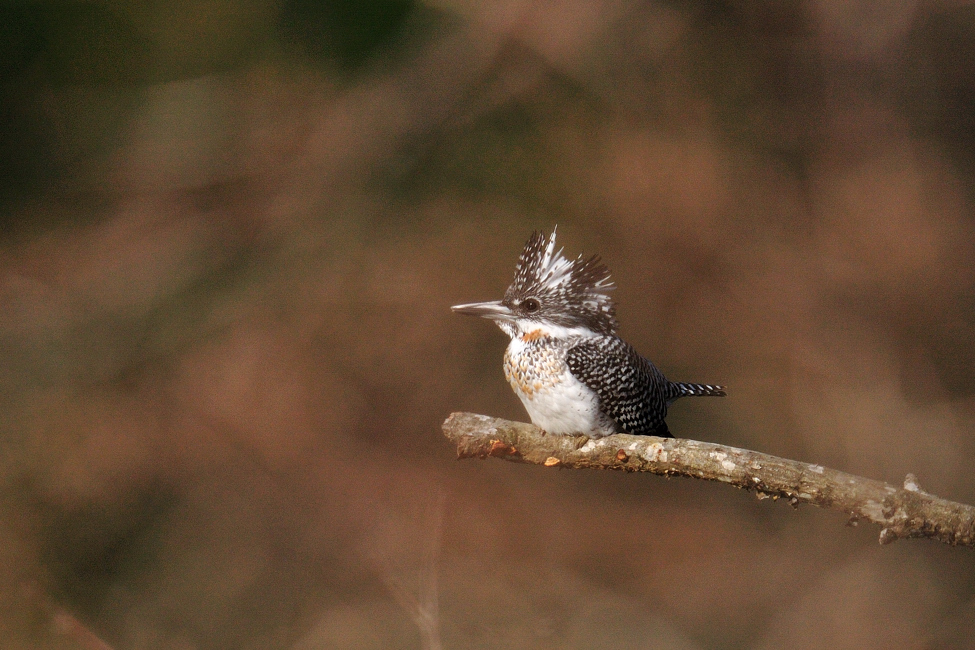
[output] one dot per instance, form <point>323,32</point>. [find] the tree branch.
<point>903,512</point>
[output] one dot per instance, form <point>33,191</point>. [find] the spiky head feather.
<point>570,293</point>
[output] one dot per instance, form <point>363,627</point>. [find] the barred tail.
<point>680,389</point>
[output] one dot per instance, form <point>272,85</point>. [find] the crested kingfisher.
<point>565,361</point>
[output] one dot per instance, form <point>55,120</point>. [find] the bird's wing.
<point>631,390</point>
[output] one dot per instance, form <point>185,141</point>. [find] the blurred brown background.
<point>230,233</point>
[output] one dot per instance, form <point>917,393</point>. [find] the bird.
<point>565,361</point>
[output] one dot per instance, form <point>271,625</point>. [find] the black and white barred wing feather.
<point>631,390</point>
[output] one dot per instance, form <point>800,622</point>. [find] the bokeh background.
<point>230,234</point>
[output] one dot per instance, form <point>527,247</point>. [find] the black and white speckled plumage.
<point>631,390</point>
<point>565,362</point>
<point>571,293</point>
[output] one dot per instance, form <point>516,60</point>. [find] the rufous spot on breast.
<point>534,335</point>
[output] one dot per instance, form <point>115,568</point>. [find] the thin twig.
<point>903,512</point>
<point>424,607</point>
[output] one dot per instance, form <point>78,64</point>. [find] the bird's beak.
<point>493,310</point>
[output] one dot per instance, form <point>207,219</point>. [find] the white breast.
<point>555,400</point>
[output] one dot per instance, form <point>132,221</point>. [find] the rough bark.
<point>902,512</point>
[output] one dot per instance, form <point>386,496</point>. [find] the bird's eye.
<point>530,305</point>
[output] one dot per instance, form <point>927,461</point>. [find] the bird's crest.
<point>572,292</point>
